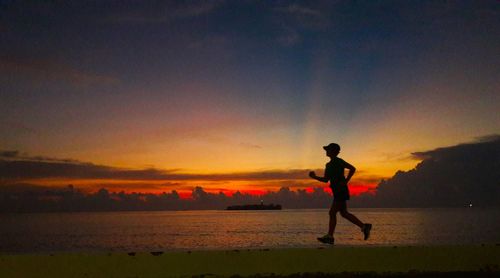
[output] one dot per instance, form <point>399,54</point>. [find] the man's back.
<point>334,170</point>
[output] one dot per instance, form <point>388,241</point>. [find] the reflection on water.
<point>150,231</point>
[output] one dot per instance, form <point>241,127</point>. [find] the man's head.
<point>332,150</point>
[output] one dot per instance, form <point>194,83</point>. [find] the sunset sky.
<point>241,95</point>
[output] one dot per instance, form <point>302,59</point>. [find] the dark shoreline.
<point>410,274</point>
<point>337,261</point>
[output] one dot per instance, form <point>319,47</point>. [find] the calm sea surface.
<point>195,230</point>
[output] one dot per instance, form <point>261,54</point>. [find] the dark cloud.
<point>488,138</point>
<point>47,69</point>
<point>294,19</point>
<point>17,127</point>
<point>315,17</point>
<point>289,36</point>
<point>250,145</point>
<point>19,188</point>
<point>16,165</point>
<point>17,155</point>
<point>32,198</point>
<point>162,11</point>
<point>142,186</point>
<point>9,154</point>
<point>448,176</point>
<point>26,169</point>
<point>21,196</point>
<point>470,150</point>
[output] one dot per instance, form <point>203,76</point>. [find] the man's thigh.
<point>338,206</point>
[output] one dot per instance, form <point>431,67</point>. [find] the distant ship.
<point>255,207</point>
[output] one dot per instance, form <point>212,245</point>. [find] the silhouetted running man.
<point>334,173</point>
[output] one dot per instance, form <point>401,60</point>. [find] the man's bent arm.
<point>351,171</point>
<point>322,179</point>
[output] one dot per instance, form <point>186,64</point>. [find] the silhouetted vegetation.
<point>72,199</point>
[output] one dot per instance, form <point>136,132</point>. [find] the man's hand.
<point>321,179</point>
<point>312,175</point>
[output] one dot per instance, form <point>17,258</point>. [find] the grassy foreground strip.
<point>281,262</point>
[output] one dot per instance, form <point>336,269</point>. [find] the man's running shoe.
<point>328,239</point>
<point>366,230</point>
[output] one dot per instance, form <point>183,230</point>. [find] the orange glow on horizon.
<point>226,187</point>
<point>255,183</point>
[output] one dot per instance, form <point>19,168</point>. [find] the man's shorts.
<point>340,192</point>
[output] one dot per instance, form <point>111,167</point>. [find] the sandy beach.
<point>413,261</point>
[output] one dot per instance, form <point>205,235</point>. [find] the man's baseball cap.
<point>332,146</point>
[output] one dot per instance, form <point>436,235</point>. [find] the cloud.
<point>3,28</point>
<point>159,12</point>
<point>488,138</point>
<point>294,19</point>
<point>197,8</point>
<point>17,165</point>
<point>136,186</point>
<point>38,69</point>
<point>211,42</point>
<point>41,199</point>
<point>212,127</point>
<point>299,10</point>
<point>22,169</point>
<point>250,145</point>
<point>111,188</point>
<point>447,176</point>
<point>307,17</point>
<point>9,154</point>
<point>19,188</point>
<point>465,149</point>
<point>18,127</point>
<point>289,37</point>
<point>17,155</point>
<point>42,167</point>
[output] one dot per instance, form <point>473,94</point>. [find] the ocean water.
<point>197,230</point>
